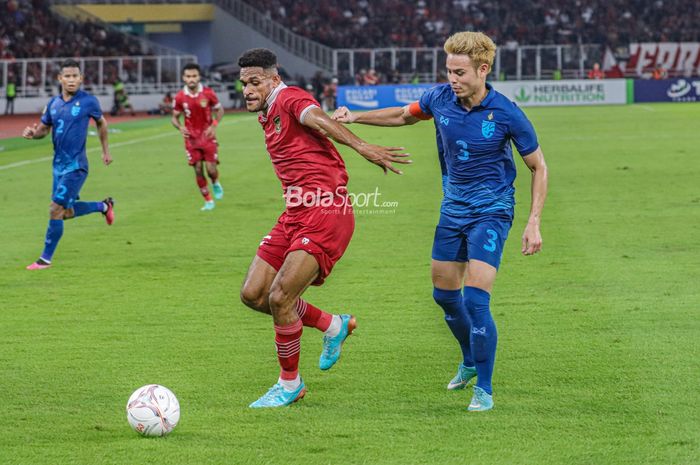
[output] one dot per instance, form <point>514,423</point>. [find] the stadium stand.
<point>426,23</point>
<point>29,29</point>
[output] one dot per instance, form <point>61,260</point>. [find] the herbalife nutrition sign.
<point>584,92</point>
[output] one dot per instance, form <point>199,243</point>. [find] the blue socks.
<point>53,235</point>
<point>483,335</point>
<point>85,208</point>
<point>457,319</point>
<point>55,229</point>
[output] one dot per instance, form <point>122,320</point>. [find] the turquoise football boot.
<point>218,191</point>
<point>208,205</point>
<point>332,345</point>
<point>481,401</point>
<point>278,396</point>
<point>462,378</point>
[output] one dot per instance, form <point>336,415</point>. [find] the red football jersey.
<point>197,109</point>
<point>302,157</point>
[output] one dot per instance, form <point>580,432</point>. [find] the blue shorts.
<point>66,188</point>
<point>478,238</point>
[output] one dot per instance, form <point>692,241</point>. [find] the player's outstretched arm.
<point>103,134</point>
<point>37,131</point>
<point>532,239</point>
<point>393,116</point>
<point>384,157</point>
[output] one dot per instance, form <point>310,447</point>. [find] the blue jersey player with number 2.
<point>68,116</point>
<point>475,127</point>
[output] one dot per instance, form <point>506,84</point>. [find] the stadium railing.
<point>140,74</point>
<point>527,62</point>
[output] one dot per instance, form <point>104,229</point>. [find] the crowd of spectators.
<point>29,29</point>
<point>427,23</point>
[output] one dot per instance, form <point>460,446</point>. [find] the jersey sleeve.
<point>522,132</point>
<point>95,109</point>
<point>177,103</point>
<point>298,102</point>
<point>425,102</point>
<point>46,119</point>
<point>213,99</point>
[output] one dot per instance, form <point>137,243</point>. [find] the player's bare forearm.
<point>532,238</point>
<point>38,131</point>
<point>393,116</point>
<point>219,113</point>
<point>538,189</point>
<point>317,119</point>
<point>175,120</point>
<point>103,134</point>
<point>384,157</point>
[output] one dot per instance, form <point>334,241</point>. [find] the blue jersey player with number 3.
<point>67,116</point>
<point>475,127</point>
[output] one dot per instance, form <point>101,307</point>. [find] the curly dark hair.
<point>255,57</point>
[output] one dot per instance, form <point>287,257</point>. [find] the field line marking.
<point>111,146</point>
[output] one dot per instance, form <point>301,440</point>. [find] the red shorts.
<point>322,232</point>
<point>203,150</point>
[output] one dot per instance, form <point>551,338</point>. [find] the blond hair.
<point>476,45</point>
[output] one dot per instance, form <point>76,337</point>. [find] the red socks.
<point>202,183</point>
<point>288,342</point>
<point>312,316</point>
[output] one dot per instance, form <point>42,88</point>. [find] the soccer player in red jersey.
<point>196,102</point>
<point>316,226</point>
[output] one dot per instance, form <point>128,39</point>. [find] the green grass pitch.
<point>598,360</point>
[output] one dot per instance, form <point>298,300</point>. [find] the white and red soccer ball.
<point>153,410</point>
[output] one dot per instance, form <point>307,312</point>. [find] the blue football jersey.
<point>70,121</point>
<point>475,147</point>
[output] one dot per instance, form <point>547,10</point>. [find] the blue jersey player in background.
<point>67,116</point>
<point>475,127</point>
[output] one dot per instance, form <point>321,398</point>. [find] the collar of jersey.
<point>273,96</point>
<point>484,103</point>
<point>200,88</point>
<point>72,99</point>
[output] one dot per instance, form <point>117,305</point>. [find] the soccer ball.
<point>153,410</point>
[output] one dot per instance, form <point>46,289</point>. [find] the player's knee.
<point>279,299</point>
<point>56,212</point>
<point>253,297</point>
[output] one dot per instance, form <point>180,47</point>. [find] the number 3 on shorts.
<point>490,245</point>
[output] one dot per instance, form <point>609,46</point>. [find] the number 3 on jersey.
<point>464,153</point>
<point>490,245</point>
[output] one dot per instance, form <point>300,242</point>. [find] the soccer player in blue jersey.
<point>67,116</point>
<point>475,126</point>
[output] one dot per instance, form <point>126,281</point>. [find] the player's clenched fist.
<point>343,115</point>
<point>29,132</point>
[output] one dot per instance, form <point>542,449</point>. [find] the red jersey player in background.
<point>314,230</point>
<point>196,102</point>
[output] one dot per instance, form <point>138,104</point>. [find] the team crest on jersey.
<point>204,103</point>
<point>488,128</point>
<point>278,124</point>
<point>75,109</point>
